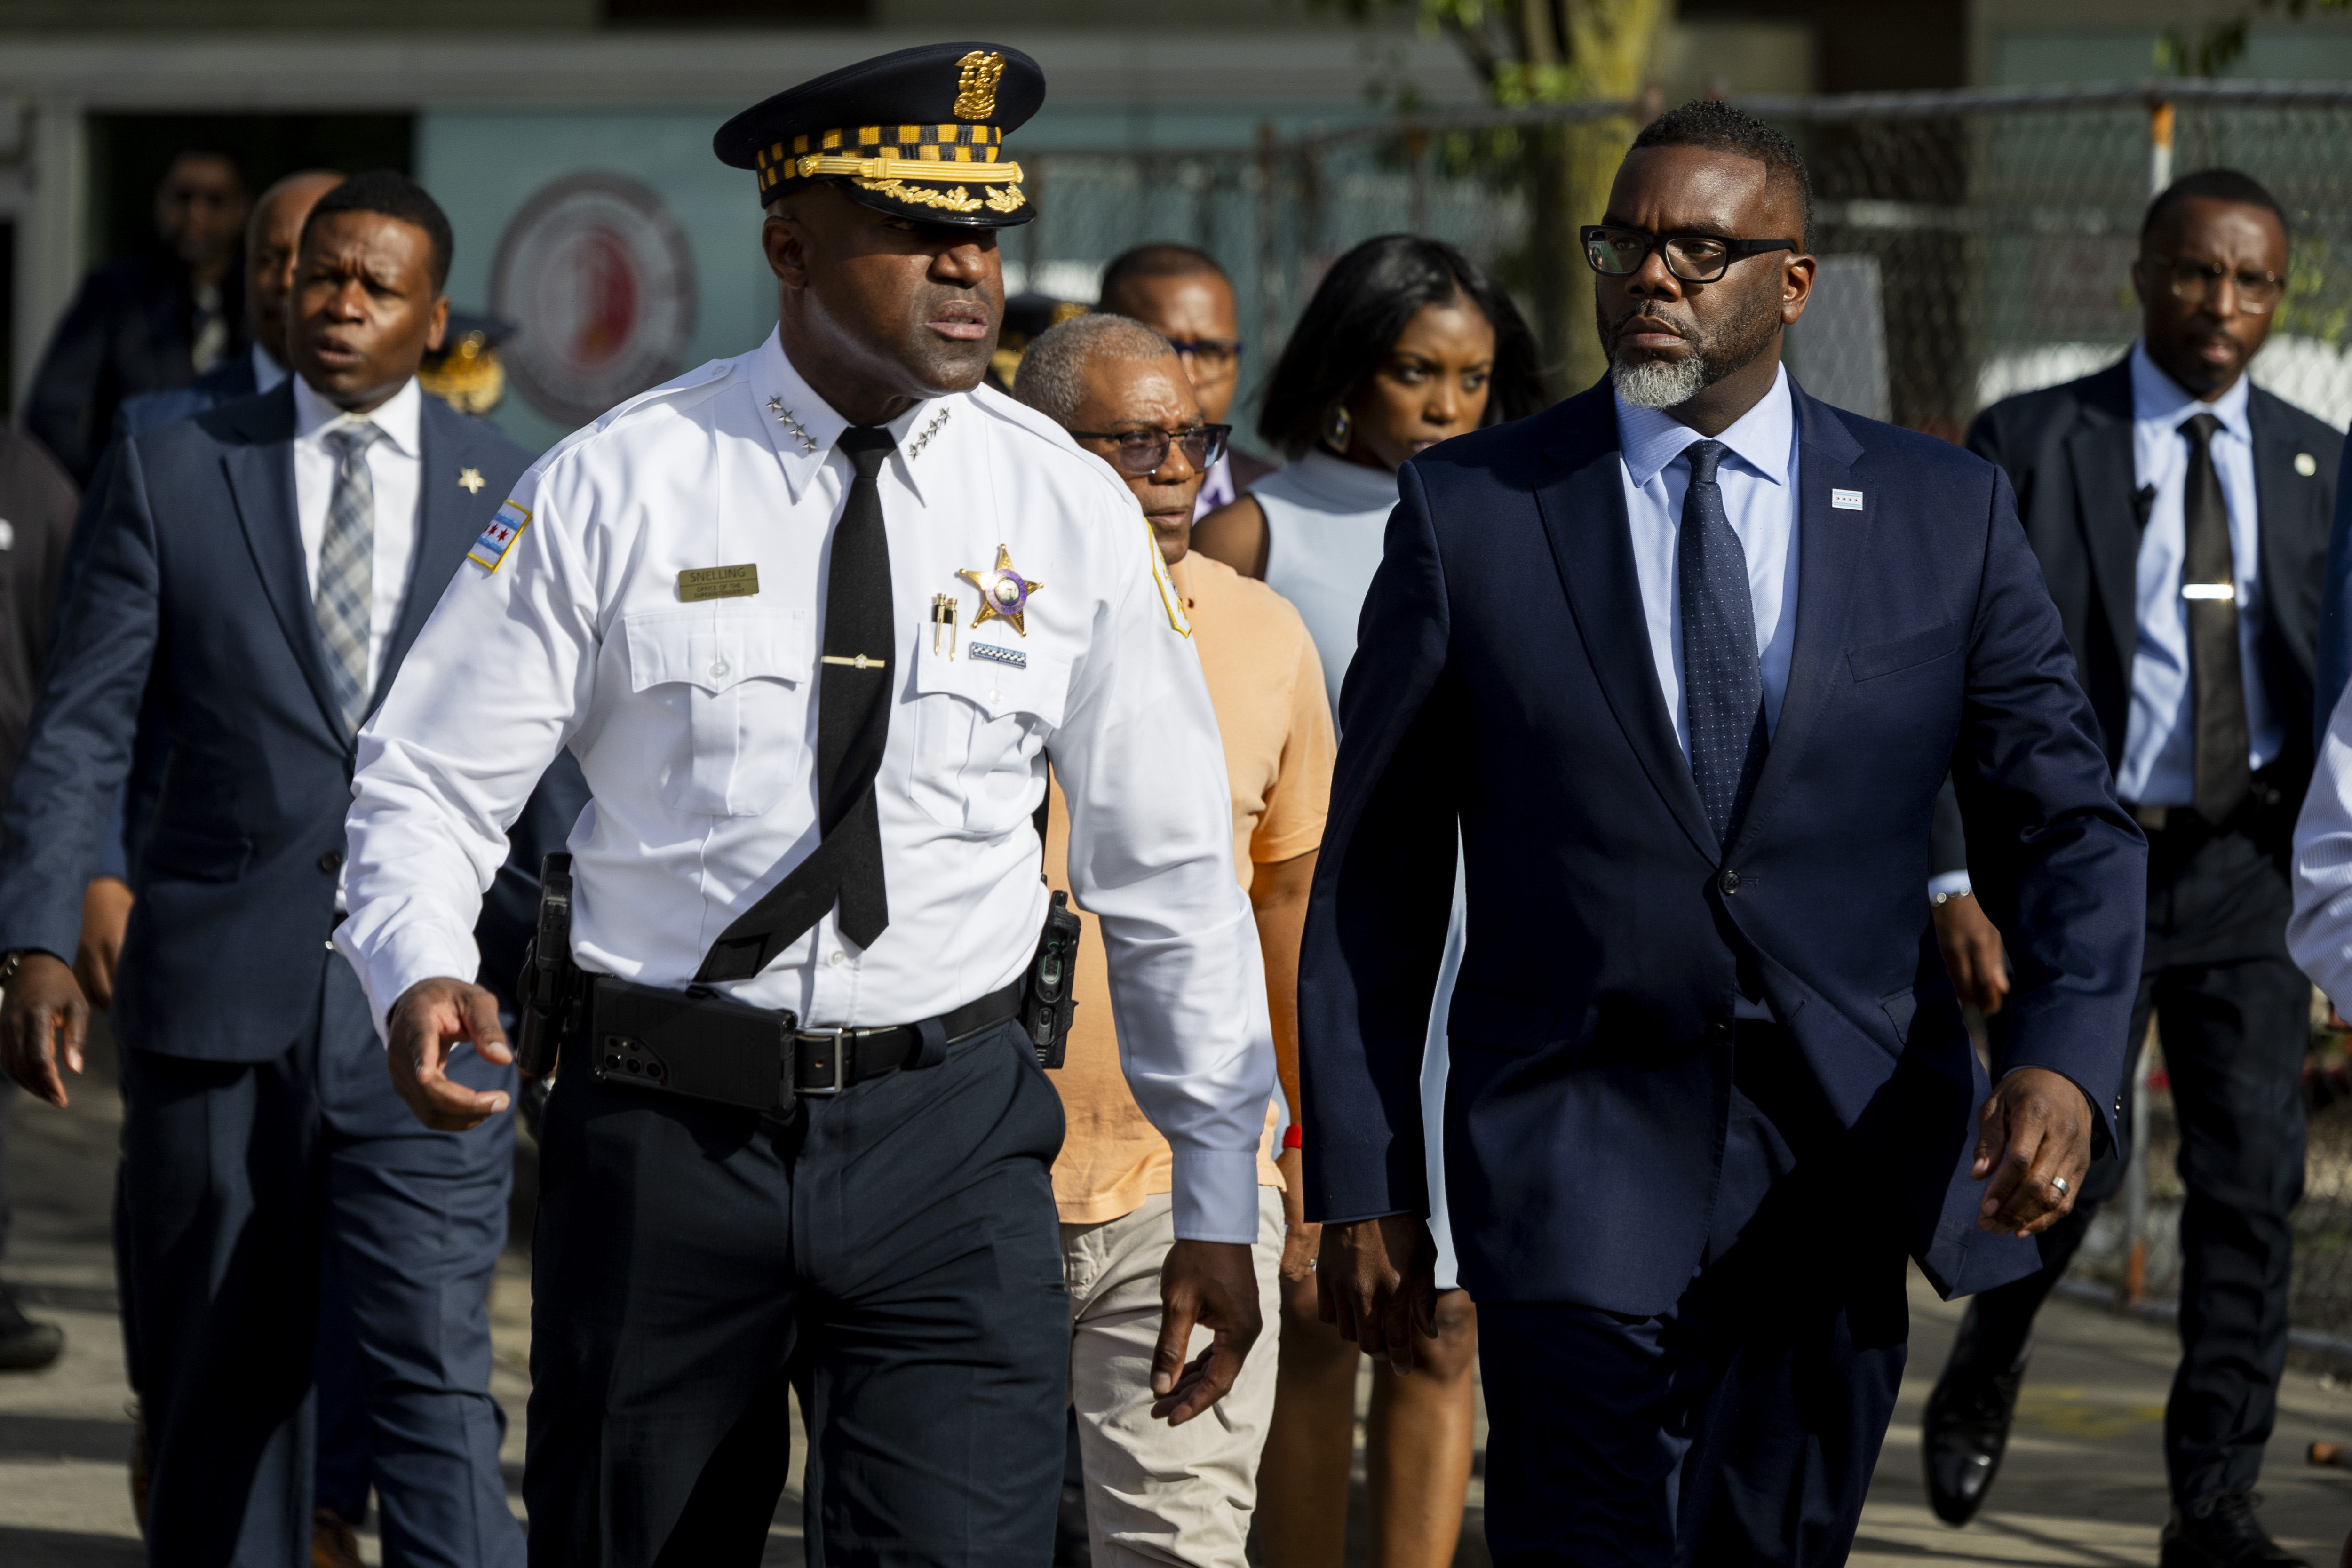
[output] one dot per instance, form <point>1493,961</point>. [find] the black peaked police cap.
<point>919,135</point>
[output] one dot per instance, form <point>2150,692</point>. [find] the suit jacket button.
<point>1728,882</point>
<point>331,861</point>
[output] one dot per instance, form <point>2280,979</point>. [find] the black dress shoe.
<point>1966,1428</point>
<point>2221,1531</point>
<point>26,1345</point>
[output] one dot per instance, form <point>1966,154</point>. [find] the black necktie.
<point>853,724</point>
<point>1723,677</point>
<point>2216,682</point>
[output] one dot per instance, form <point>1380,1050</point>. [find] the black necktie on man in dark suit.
<point>1723,675</point>
<point>2217,680</point>
<point>852,725</point>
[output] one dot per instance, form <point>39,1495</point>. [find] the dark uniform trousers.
<point>238,1179</point>
<point>2234,1014</point>
<point>1741,1426</point>
<point>892,1250</point>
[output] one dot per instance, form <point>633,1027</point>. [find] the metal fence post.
<point>2160,146</point>
<point>2135,1291</point>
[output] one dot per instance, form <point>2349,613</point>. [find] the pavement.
<point>2083,1483</point>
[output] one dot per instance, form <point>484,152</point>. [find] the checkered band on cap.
<point>963,144</point>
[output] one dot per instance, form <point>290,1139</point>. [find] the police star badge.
<point>471,479</point>
<point>1003,593</point>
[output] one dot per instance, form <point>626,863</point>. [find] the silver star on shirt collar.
<point>791,421</point>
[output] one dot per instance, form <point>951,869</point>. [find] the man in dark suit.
<point>1684,658</point>
<point>149,321</point>
<point>269,563</point>
<point>2181,515</point>
<point>272,236</point>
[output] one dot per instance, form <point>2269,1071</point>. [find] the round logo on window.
<point>596,276</point>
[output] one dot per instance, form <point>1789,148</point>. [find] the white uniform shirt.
<point>2319,933</point>
<point>694,726</point>
<point>392,466</point>
<point>1757,478</point>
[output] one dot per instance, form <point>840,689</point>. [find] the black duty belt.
<point>705,1045</point>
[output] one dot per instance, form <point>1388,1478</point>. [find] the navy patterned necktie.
<point>1723,677</point>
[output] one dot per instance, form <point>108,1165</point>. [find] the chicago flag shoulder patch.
<point>499,538</point>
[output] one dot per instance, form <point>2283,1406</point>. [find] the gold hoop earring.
<point>1336,430</point>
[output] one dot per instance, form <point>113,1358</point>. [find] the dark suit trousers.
<point>2234,1014</point>
<point>238,1177</point>
<point>1742,1425</point>
<point>892,1250</point>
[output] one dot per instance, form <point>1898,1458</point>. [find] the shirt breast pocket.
<point>738,684</point>
<point>979,725</point>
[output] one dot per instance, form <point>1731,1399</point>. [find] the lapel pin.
<point>471,480</point>
<point>1845,501</point>
<point>2305,464</point>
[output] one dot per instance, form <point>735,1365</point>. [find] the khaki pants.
<point>1158,1494</point>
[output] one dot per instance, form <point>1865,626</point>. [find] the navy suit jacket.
<point>193,574</point>
<point>1503,682</point>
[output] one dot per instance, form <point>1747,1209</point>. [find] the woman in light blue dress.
<point>1405,344</point>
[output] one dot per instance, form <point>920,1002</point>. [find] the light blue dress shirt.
<point>2159,766</point>
<point>1759,477</point>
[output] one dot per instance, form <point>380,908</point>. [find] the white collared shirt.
<point>696,727</point>
<point>267,372</point>
<point>393,467</point>
<point>2158,763</point>
<point>1758,475</point>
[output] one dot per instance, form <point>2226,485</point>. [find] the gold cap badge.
<point>976,76</point>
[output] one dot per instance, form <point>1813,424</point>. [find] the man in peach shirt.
<point>1157,1493</point>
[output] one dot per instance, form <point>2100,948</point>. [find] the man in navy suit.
<point>1686,659</point>
<point>272,235</point>
<point>268,562</point>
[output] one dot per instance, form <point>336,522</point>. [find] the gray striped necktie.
<point>346,601</point>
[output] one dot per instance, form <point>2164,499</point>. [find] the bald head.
<point>271,239</point>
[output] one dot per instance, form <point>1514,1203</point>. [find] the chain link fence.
<point>1972,244</point>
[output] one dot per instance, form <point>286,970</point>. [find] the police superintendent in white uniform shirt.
<point>895,1244</point>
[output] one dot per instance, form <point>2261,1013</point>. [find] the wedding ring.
<point>2058,1185</point>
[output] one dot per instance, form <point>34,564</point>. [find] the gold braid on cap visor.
<point>966,153</point>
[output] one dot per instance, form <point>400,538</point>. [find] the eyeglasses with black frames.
<point>2193,283</point>
<point>1693,258</point>
<point>1142,451</point>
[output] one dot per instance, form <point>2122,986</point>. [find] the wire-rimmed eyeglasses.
<point>1142,451</point>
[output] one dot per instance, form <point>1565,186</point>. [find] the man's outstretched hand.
<point>1211,1285</point>
<point>1377,1279</point>
<point>2037,1129</point>
<point>44,1003</point>
<point>430,1017</point>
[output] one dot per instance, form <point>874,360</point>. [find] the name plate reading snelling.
<point>717,582</point>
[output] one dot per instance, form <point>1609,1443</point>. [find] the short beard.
<point>1670,383</point>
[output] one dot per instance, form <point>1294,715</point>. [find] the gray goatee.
<point>1659,383</point>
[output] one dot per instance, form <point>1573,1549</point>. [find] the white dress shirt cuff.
<point>1948,885</point>
<point>1215,1196</point>
<point>403,957</point>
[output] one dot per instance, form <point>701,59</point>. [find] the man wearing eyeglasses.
<point>1157,1493</point>
<point>1683,660</point>
<point>2181,517</point>
<point>1181,292</point>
